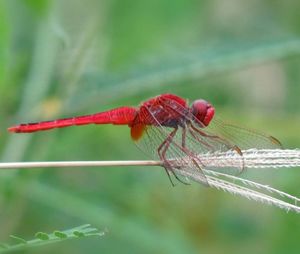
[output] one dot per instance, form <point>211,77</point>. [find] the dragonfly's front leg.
<point>222,140</point>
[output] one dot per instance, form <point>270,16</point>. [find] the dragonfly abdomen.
<point>118,116</point>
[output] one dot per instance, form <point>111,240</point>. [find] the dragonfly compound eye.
<point>203,111</point>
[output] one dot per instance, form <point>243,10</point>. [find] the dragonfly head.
<point>203,111</point>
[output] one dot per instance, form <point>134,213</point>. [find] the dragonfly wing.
<point>243,137</point>
<point>207,142</point>
<point>220,136</point>
<point>213,150</point>
<point>154,135</point>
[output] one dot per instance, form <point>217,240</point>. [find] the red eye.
<point>203,111</point>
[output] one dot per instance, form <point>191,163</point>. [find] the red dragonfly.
<point>172,131</point>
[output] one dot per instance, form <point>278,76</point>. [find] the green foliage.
<point>63,58</point>
<point>190,65</point>
<point>42,238</point>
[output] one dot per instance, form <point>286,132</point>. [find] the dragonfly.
<point>170,130</point>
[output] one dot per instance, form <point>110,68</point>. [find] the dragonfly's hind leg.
<point>162,150</point>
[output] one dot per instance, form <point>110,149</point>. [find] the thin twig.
<point>252,158</point>
<point>71,164</point>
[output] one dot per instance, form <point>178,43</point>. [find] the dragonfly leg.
<point>183,138</point>
<point>199,140</point>
<point>166,167</point>
<point>162,150</point>
<point>184,148</point>
<point>194,158</point>
<point>225,142</point>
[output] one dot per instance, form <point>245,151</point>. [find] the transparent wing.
<point>204,144</point>
<point>243,137</point>
<point>188,146</point>
<point>221,136</point>
<point>155,139</point>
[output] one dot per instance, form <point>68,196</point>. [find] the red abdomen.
<point>120,116</point>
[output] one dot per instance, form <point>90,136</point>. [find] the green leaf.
<point>78,234</point>
<point>60,234</point>
<point>42,238</point>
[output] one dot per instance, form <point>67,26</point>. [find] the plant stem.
<point>53,164</point>
<point>252,158</point>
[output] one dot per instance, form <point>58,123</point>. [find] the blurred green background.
<point>65,58</point>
